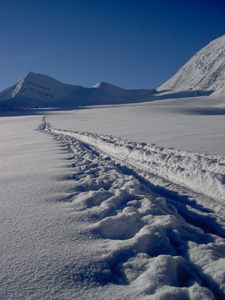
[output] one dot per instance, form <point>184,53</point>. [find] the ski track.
<point>156,228</point>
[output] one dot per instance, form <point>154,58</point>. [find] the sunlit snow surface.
<point>203,72</point>
<point>117,202</point>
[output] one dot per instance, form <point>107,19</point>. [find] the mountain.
<point>37,90</point>
<point>37,86</point>
<point>203,74</point>
<point>205,71</point>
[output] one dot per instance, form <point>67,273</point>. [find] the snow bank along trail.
<point>202,173</point>
<point>158,242</point>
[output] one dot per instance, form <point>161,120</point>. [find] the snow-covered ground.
<point>114,202</point>
<point>189,124</point>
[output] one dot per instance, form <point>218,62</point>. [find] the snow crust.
<point>205,71</point>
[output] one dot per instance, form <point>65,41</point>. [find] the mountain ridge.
<point>38,90</point>
<point>205,71</point>
<point>202,75</point>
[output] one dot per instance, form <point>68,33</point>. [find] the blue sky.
<point>132,44</point>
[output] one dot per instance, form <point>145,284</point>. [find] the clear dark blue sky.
<point>132,44</point>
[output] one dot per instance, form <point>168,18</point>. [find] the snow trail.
<point>200,172</point>
<point>149,237</point>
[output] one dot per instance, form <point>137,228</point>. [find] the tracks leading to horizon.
<point>148,229</point>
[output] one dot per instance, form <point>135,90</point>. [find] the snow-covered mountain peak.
<point>205,71</point>
<point>35,84</point>
<point>106,86</point>
<point>32,85</point>
<point>100,84</point>
<point>35,87</point>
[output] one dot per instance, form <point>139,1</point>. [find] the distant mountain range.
<point>37,90</point>
<point>203,74</point>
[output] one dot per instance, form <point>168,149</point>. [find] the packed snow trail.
<point>169,247</point>
<point>203,173</point>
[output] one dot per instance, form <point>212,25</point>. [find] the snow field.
<point>149,245</point>
<point>188,124</point>
<point>34,232</point>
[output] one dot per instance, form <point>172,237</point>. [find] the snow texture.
<point>202,173</point>
<point>152,242</point>
<point>94,216</point>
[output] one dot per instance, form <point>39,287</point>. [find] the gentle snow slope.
<point>205,71</point>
